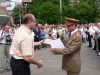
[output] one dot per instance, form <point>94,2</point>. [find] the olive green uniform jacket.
<point>71,54</point>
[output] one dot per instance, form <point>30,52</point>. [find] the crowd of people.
<point>21,38</point>
<point>91,34</point>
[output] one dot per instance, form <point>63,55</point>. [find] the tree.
<point>48,11</point>
<point>16,14</point>
<point>83,11</point>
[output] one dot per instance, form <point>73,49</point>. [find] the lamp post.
<point>20,18</point>
<point>61,11</point>
<point>25,4</point>
<point>25,8</point>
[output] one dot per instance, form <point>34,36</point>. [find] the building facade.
<point>6,7</point>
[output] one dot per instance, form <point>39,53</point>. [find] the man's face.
<point>71,28</point>
<point>6,28</point>
<point>33,23</point>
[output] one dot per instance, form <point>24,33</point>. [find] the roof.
<point>5,20</point>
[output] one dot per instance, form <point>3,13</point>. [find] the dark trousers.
<point>90,41</point>
<point>19,67</point>
<point>98,43</point>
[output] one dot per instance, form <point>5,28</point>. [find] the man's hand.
<point>41,41</point>
<point>55,50</point>
<point>34,60</point>
<point>40,64</point>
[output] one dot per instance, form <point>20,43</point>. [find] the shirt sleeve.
<point>27,47</point>
<point>72,48</point>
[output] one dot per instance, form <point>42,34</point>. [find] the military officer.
<point>71,61</point>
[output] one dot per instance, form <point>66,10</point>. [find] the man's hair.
<point>27,18</point>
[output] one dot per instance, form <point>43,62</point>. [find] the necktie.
<point>69,34</point>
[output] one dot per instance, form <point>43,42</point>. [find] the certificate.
<point>54,43</point>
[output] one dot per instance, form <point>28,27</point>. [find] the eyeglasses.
<point>70,25</point>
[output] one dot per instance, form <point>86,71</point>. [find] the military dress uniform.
<point>71,61</point>
<point>71,54</point>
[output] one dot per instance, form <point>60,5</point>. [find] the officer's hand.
<point>55,50</point>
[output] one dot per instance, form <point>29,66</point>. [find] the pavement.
<point>52,63</point>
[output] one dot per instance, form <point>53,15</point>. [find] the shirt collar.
<point>74,31</point>
<point>26,29</point>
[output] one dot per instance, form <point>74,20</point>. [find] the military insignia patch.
<point>78,34</point>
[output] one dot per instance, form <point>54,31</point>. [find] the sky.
<point>17,1</point>
<point>13,5</point>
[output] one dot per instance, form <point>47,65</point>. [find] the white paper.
<point>57,43</point>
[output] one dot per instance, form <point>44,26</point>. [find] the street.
<point>52,63</point>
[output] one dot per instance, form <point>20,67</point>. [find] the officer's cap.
<point>71,21</point>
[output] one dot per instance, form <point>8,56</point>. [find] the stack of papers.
<point>54,43</point>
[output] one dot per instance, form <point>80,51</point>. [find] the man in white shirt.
<point>21,50</point>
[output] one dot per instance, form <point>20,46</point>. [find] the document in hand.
<point>54,43</point>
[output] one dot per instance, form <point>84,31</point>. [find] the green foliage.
<point>83,11</point>
<point>48,11</point>
<point>16,14</point>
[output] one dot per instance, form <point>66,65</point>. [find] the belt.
<point>19,60</point>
